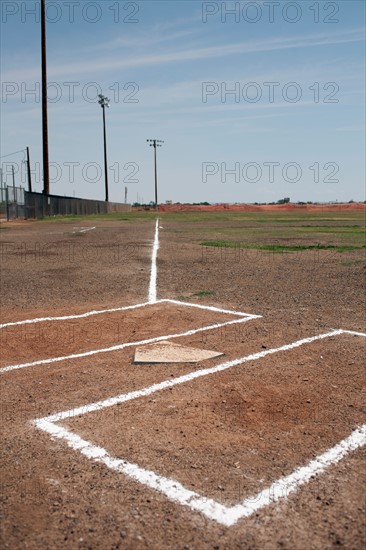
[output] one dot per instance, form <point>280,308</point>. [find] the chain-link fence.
<point>14,202</point>
<point>18,203</point>
<point>2,202</point>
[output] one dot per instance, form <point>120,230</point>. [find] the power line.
<point>10,154</point>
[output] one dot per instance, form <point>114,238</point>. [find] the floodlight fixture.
<point>104,101</point>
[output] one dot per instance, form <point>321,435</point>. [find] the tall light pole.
<point>46,173</point>
<point>155,143</point>
<point>104,102</point>
<point>29,172</point>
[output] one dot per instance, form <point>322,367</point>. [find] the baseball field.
<point>261,447</point>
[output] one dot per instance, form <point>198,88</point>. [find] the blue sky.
<point>293,125</point>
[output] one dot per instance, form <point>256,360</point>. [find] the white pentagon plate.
<point>169,352</point>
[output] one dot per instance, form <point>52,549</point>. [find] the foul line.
<point>151,299</point>
<point>153,274</point>
<point>77,316</point>
<point>175,491</point>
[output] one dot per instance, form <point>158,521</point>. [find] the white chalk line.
<point>354,333</point>
<point>124,308</point>
<point>121,346</point>
<point>211,308</point>
<point>184,378</point>
<point>152,297</point>
<point>83,229</point>
<point>117,347</point>
<point>76,316</point>
<point>226,515</point>
<point>153,273</point>
<point>176,492</point>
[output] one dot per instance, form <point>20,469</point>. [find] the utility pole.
<point>155,143</point>
<point>1,183</point>
<point>104,102</point>
<point>29,172</point>
<point>46,173</point>
<point>12,170</point>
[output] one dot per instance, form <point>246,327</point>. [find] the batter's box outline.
<point>241,318</point>
<point>175,491</point>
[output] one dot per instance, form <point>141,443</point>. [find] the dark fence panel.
<point>2,201</point>
<point>14,200</point>
<point>38,205</point>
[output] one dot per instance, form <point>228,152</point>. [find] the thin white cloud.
<point>141,42</point>
<point>104,64</point>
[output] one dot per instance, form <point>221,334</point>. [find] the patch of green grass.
<point>62,218</point>
<point>281,248</point>
<point>333,226</point>
<point>338,229</point>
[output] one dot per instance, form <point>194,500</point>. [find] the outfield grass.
<point>274,231</point>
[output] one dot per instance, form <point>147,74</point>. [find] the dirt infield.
<point>224,430</point>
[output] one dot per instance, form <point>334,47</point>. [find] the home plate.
<point>167,352</point>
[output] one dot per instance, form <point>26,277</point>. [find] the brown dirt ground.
<point>225,436</point>
<point>32,342</point>
<point>290,207</point>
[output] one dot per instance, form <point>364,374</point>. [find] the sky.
<point>255,101</point>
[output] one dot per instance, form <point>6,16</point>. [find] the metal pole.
<point>7,203</point>
<point>46,174</point>
<point>29,172</point>
<point>156,179</point>
<point>12,170</point>
<point>1,183</point>
<point>14,192</point>
<point>105,156</point>
<point>155,143</point>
